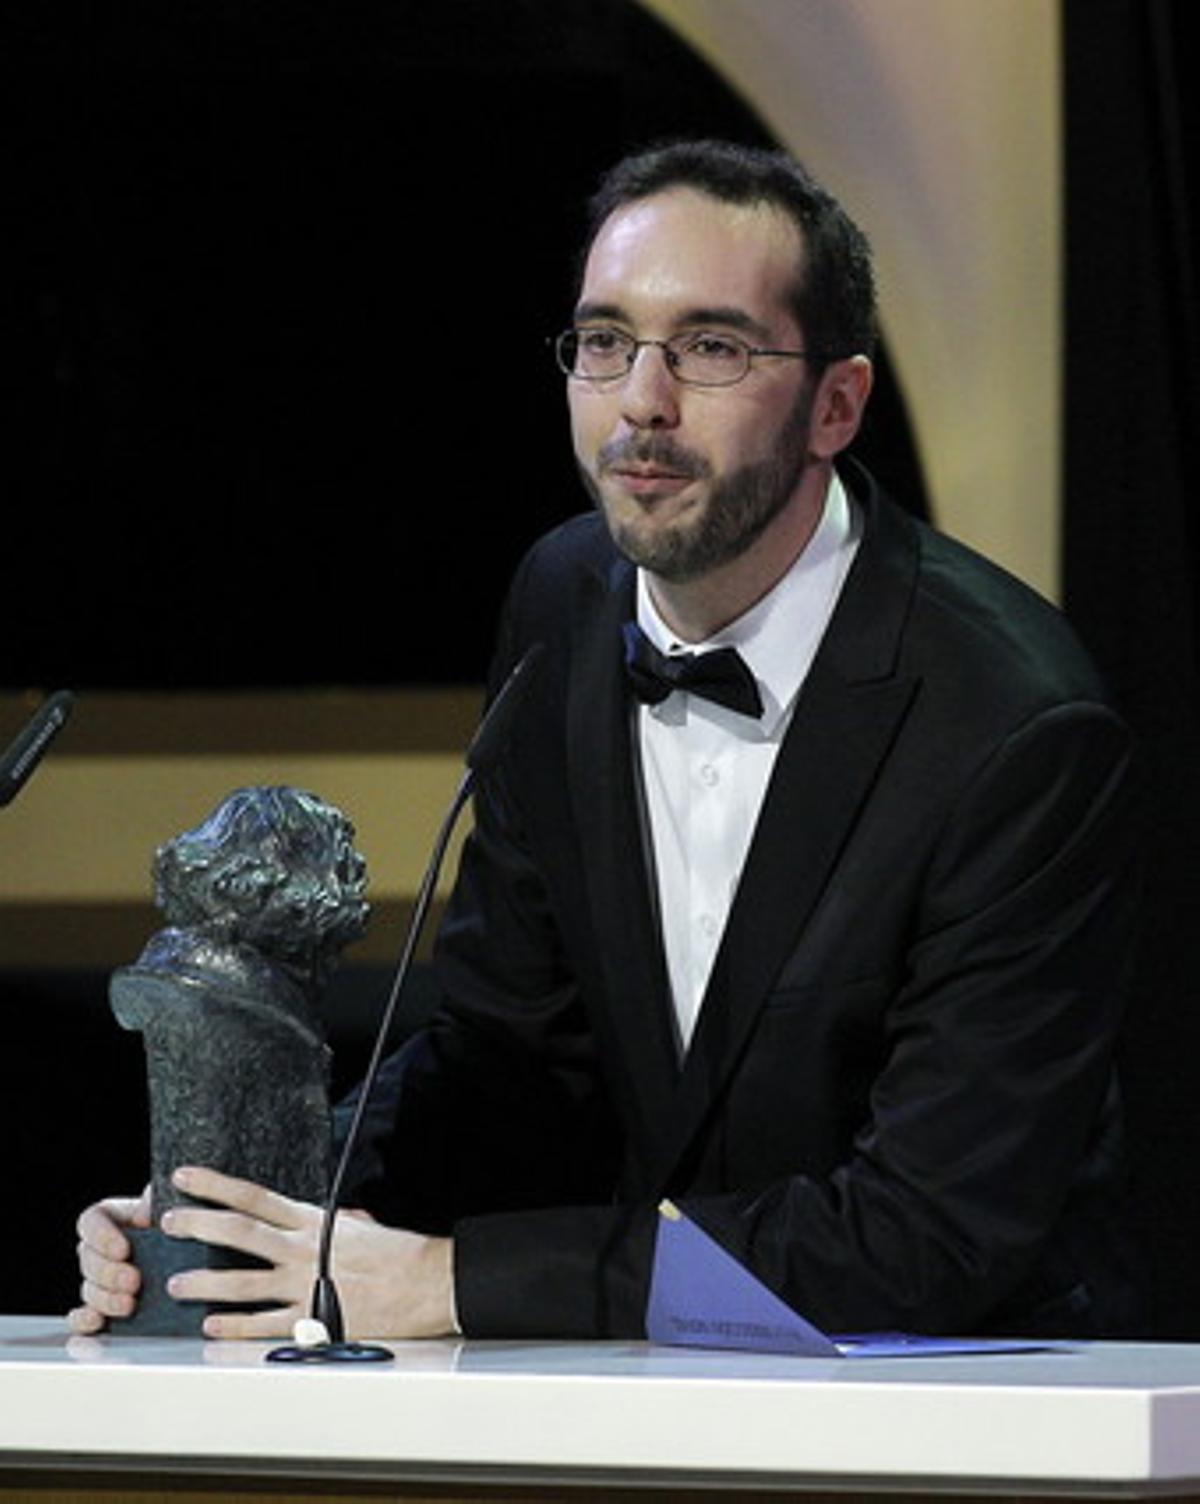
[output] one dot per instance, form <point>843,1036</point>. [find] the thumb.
<point>140,1216</point>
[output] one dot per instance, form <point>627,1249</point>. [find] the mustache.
<point>660,450</point>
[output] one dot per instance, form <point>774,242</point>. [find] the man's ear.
<point>839,404</point>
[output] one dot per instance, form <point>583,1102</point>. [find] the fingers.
<point>105,1303</point>
<point>240,1216</point>
<point>234,1230</point>
<point>270,1226</point>
<point>248,1218</point>
<point>240,1287</point>
<point>99,1226</point>
<point>253,1220</point>
<point>84,1321</point>
<point>247,1325</point>
<point>118,1277</point>
<point>109,1281</point>
<point>242,1196</point>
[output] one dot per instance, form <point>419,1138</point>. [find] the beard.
<point>739,507</point>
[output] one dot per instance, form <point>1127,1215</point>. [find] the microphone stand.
<point>326,1308</point>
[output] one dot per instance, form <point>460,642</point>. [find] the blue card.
<point>701,1296</point>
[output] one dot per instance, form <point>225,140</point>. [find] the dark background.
<point>1130,540</point>
<point>278,281</point>
<point>283,278</point>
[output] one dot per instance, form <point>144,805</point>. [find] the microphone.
<point>491,737</point>
<point>482,756</point>
<point>26,751</point>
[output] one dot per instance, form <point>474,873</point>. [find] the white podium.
<point>175,1418</point>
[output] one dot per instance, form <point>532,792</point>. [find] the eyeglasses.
<point>698,357</point>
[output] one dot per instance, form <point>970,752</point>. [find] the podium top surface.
<point>1078,1417</point>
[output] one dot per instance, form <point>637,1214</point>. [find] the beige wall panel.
<point>86,830</point>
<point>937,123</point>
<point>132,770</point>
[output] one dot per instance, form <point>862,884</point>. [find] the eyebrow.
<point>722,316</point>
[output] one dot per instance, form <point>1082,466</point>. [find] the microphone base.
<point>332,1352</point>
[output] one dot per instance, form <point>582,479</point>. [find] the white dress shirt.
<point>705,768</point>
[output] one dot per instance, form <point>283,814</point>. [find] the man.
<point>835,961</point>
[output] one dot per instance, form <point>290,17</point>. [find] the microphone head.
<point>488,744</point>
<point>20,759</point>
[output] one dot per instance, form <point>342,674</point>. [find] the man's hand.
<point>391,1283</point>
<point>110,1281</point>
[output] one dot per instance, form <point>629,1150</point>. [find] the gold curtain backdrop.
<point>938,124</point>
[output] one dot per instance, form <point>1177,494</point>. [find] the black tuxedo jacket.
<point>898,1104</point>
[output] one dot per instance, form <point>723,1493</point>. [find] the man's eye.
<point>713,347</point>
<point>600,341</point>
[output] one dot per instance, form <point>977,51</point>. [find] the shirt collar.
<point>780,634</point>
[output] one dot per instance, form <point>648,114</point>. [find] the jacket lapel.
<point>606,795</point>
<point>849,712</point>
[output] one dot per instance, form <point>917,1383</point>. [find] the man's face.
<point>688,477</point>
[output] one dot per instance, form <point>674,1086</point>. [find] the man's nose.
<point>650,393</point>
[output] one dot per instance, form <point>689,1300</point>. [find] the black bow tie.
<point>720,675</point>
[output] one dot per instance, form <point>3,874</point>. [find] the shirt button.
<point>709,776</point>
<point>708,926</point>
